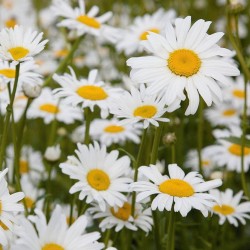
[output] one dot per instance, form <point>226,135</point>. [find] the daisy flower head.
<point>100,176</point>
<point>84,22</point>
<point>137,105</point>
<point>55,234</point>
<point>230,207</point>
<point>138,31</point>
<point>9,206</point>
<point>110,131</point>
<point>48,107</point>
<point>18,44</point>
<point>88,92</point>
<point>183,191</point>
<point>120,217</point>
<point>186,58</point>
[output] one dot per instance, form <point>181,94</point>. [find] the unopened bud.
<point>52,153</point>
<point>169,138</point>
<point>31,90</point>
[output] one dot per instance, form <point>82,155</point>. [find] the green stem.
<point>65,61</point>
<point>171,230</point>
<point>173,153</point>
<point>138,162</point>
<point>200,135</point>
<point>87,117</point>
<point>52,134</point>
<point>7,117</point>
<point>107,236</point>
<point>48,191</point>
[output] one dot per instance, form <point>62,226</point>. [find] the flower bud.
<point>52,153</point>
<point>31,90</point>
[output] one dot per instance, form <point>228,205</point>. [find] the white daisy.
<point>136,106</point>
<point>185,58</point>
<point>48,107</point>
<point>110,131</point>
<point>138,31</point>
<point>56,234</point>
<point>86,92</point>
<point>230,207</point>
<point>118,218</point>
<point>100,175</point>
<point>9,206</point>
<point>84,22</point>
<point>19,44</point>
<point>185,191</point>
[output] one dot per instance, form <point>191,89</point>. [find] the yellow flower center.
<point>29,202</point>
<point>61,53</point>
<point>50,108</point>
<point>93,93</point>
<point>145,111</point>
<point>239,93</point>
<point>229,112</point>
<point>3,226</point>
<point>143,36</point>
<point>89,21</point>
<point>23,167</point>
<point>224,209</point>
<point>52,246</point>
<point>18,52</point>
<point>98,179</point>
<point>184,62</point>
<point>235,149</point>
<point>123,212</point>
<point>68,220</point>
<point>10,23</point>
<point>205,163</point>
<point>176,187</point>
<point>10,73</point>
<point>114,129</point>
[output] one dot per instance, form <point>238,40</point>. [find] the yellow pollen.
<point>89,21</point>
<point>10,73</point>
<point>61,53</point>
<point>93,93</point>
<point>176,187</point>
<point>3,226</point>
<point>50,108</point>
<point>23,167</point>
<point>205,163</point>
<point>10,23</point>
<point>98,179</point>
<point>224,209</point>
<point>123,212</point>
<point>18,52</point>
<point>68,220</point>
<point>184,62</point>
<point>52,246</point>
<point>143,36</point>
<point>235,149</point>
<point>114,129</point>
<point>29,202</point>
<point>229,112</point>
<point>145,111</point>
<point>239,93</point>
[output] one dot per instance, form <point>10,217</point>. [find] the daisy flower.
<point>230,207</point>
<point>100,175</point>
<point>224,114</point>
<point>118,218</point>
<point>26,74</point>
<point>110,131</point>
<point>18,44</point>
<point>87,92</point>
<point>184,191</point>
<point>185,58</point>
<point>30,164</point>
<point>138,31</point>
<point>48,107</point>
<point>84,22</point>
<point>9,206</point>
<point>136,106</point>
<point>55,234</point>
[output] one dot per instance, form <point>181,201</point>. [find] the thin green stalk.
<point>52,134</point>
<point>200,135</point>
<point>171,230</point>
<point>72,203</point>
<point>65,61</point>
<point>138,162</point>
<point>173,153</point>
<point>7,117</point>
<point>106,238</point>
<point>48,187</point>
<point>87,117</point>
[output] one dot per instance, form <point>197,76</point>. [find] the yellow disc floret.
<point>98,179</point>
<point>93,93</point>
<point>145,111</point>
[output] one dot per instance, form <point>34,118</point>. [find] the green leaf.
<point>236,140</point>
